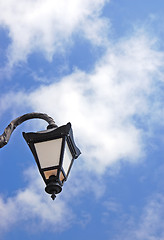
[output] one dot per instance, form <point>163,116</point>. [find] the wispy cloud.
<point>149,225</point>
<point>48,26</point>
<point>33,204</point>
<point>109,106</point>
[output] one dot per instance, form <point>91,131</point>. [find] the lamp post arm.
<point>4,138</point>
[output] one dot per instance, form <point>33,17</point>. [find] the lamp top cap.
<point>53,133</point>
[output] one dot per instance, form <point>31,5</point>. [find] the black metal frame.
<point>64,132</point>
<point>53,185</point>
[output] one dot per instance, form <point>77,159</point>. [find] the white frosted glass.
<point>67,159</point>
<point>49,152</point>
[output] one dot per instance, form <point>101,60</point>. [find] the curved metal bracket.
<point>4,138</point>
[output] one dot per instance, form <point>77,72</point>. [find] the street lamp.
<point>54,150</point>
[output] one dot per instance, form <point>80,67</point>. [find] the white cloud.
<point>8,213</point>
<point>35,205</point>
<point>103,105</point>
<point>32,205</point>
<point>48,26</point>
<point>149,226</point>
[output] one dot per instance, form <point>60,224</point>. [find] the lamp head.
<point>54,151</point>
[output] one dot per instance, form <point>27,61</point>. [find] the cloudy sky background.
<point>98,64</point>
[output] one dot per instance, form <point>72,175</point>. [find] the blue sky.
<point>98,64</point>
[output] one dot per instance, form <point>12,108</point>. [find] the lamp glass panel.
<point>49,152</point>
<point>49,173</point>
<point>67,159</point>
<point>61,177</point>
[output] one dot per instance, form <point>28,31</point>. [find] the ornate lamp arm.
<point>4,138</point>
